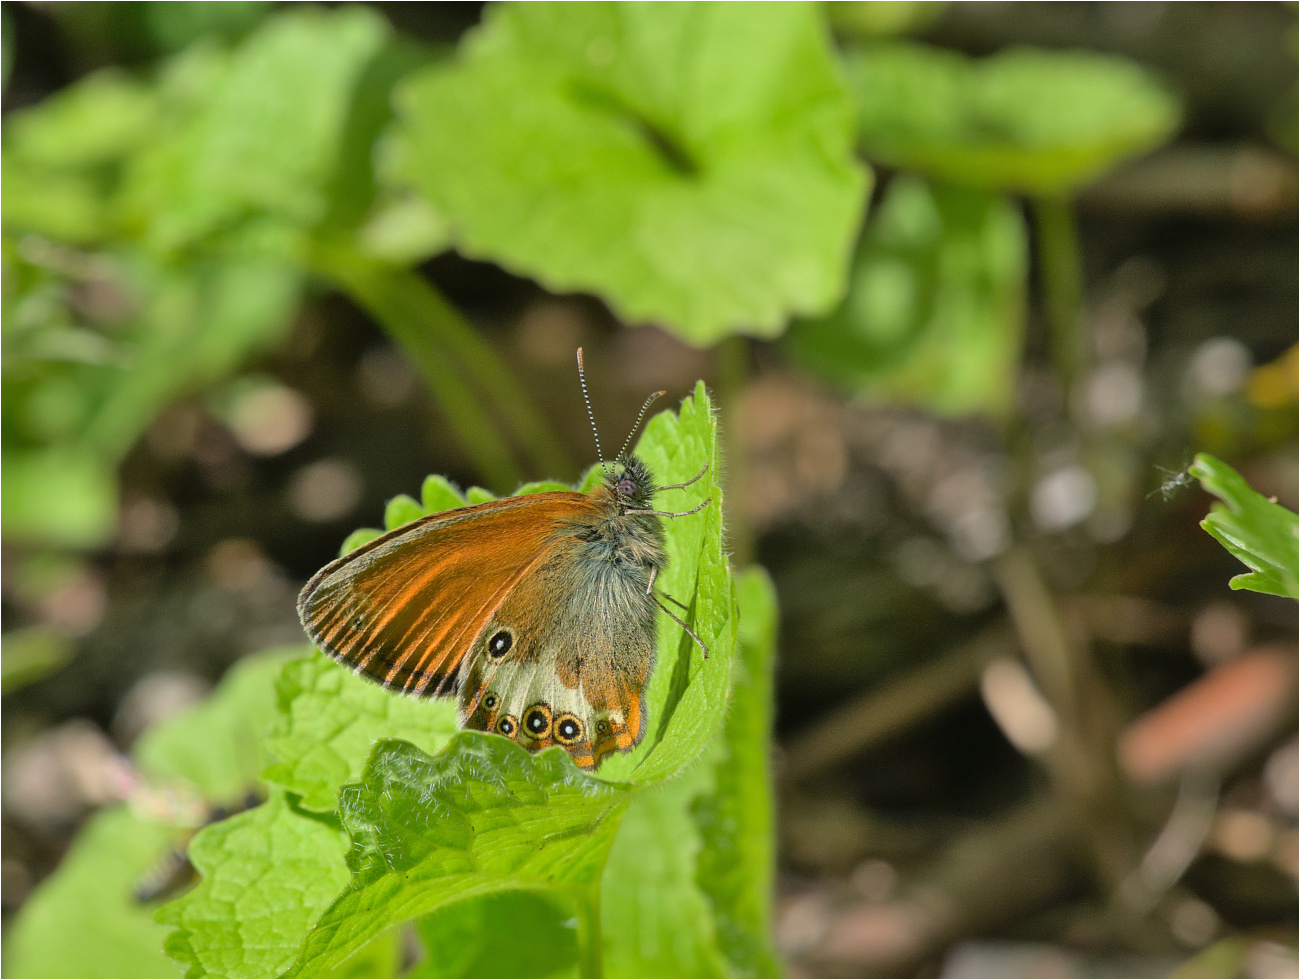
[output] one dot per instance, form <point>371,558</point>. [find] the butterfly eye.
<point>626,488</point>
<point>568,729</point>
<point>537,721</point>
<point>500,644</point>
<point>507,726</point>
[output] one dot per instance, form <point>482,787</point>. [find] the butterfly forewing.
<point>406,607</point>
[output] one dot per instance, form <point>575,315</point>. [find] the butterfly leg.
<point>665,513</point>
<point>689,632</point>
<point>680,486</point>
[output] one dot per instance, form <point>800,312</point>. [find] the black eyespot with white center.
<point>508,725</point>
<point>500,644</point>
<point>568,729</point>
<point>490,702</point>
<point>537,721</point>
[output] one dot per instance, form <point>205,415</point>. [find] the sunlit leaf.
<point>267,874</point>
<point>481,817</point>
<point>330,720</point>
<point>690,163</point>
<point>1258,531</point>
<point>736,868</point>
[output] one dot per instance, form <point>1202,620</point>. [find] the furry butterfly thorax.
<point>538,612</point>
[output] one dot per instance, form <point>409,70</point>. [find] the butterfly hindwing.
<point>565,661</point>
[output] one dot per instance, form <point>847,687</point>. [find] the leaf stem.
<point>1061,268</point>
<point>419,319</point>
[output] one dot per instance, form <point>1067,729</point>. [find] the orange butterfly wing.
<point>406,607</point>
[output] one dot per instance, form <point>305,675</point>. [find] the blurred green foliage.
<point>690,163</point>
<point>935,311</point>
<point>695,166</point>
<point>1024,120</point>
<point>213,752</point>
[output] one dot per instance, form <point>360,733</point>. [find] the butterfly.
<point>538,612</point>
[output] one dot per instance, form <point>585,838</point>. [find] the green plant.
<point>1260,532</point>
<point>377,814</point>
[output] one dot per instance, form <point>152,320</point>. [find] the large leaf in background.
<point>1258,531</point>
<point>935,311</point>
<point>1039,122</point>
<point>484,816</point>
<point>215,748</point>
<point>690,163</point>
<point>258,131</point>
<point>219,746</point>
<point>83,920</point>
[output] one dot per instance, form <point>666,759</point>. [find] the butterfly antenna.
<point>637,424</point>
<point>582,379</point>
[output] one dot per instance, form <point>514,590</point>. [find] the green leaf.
<point>32,653</point>
<point>935,313</point>
<point>329,721</point>
<point>58,496</point>
<point>655,919</point>
<point>220,745</point>
<point>83,921</point>
<point>737,863</point>
<point>1038,122</point>
<point>362,535</point>
<point>690,163</point>
<point>484,816</point>
<point>507,934</point>
<point>261,133</point>
<point>438,494</point>
<point>100,119</point>
<point>1256,530</point>
<point>267,874</point>
<point>687,694</point>
<point>882,18</point>
<point>402,509</point>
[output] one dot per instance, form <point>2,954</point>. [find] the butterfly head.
<point>630,482</point>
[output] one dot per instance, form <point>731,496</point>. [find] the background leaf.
<point>1258,531</point>
<point>655,920</point>
<point>220,745</point>
<point>1039,122</point>
<point>83,921</point>
<point>216,748</point>
<point>710,142</point>
<point>935,313</point>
